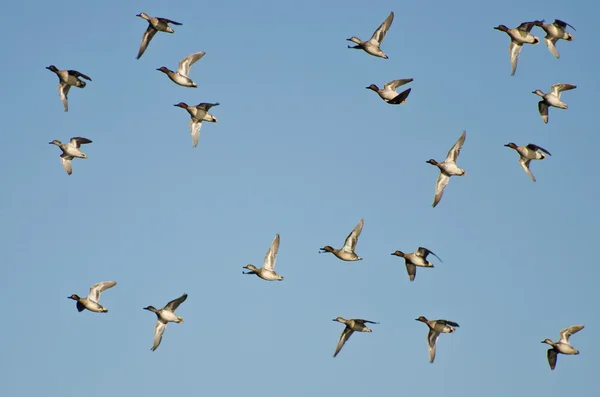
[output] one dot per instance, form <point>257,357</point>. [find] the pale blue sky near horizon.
<point>304,150</point>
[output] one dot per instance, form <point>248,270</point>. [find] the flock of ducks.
<point>519,36</point>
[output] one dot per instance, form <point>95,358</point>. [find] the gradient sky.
<point>301,149</point>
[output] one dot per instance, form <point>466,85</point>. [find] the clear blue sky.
<point>304,150</point>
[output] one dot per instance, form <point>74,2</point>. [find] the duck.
<point>346,253</point>
<point>528,153</point>
<point>267,272</point>
<point>353,324</point>
<point>552,98</point>
<point>448,168</point>
<point>70,151</point>
<point>164,316</point>
<point>181,76</point>
<point>92,302</point>
<point>198,113</point>
<point>372,46</point>
<point>389,94</point>
<point>518,36</point>
<point>563,346</point>
<point>67,79</point>
<point>417,258</point>
<point>155,24</point>
<point>436,327</point>
<point>555,31</point>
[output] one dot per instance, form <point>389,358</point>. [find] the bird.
<point>66,79</point>
<point>389,94</point>
<point>448,168</point>
<point>562,346</point>
<point>181,76</point>
<point>518,36</point>
<point>92,302</point>
<point>165,315</point>
<point>372,46</point>
<point>555,31</point>
<point>70,151</point>
<point>198,113</point>
<point>267,272</point>
<point>528,153</point>
<point>155,24</point>
<point>417,258</point>
<point>352,325</point>
<point>346,253</point>
<point>552,98</point>
<point>435,328</point>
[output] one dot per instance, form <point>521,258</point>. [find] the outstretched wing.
<point>551,44</point>
<point>195,126</point>
<point>381,31</point>
<point>174,304</point>
<point>65,160</point>
<point>271,255</point>
<point>186,63</point>
<point>346,334</point>
<point>558,88</point>
<point>543,109</point>
<point>514,49</point>
<point>392,85</point>
<point>423,252</point>
<point>525,164</point>
<point>532,146</point>
<point>165,20</point>
<point>75,73</point>
<point>411,270</point>
<point>440,185</point>
<point>361,321</point>
<point>206,106</point>
<point>566,333</point>
<point>552,358</point>
<point>63,91</point>
<point>148,35</point>
<point>526,26</point>
<point>159,330</point>
<point>97,289</point>
<point>352,238</point>
<point>77,141</point>
<point>432,338</point>
<point>452,323</point>
<point>563,25</point>
<point>400,98</point>
<point>454,151</point>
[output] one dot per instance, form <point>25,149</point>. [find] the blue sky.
<point>301,149</point>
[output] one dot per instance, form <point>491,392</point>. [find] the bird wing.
<point>148,35</point>
<point>552,358</point>
<point>411,270</point>
<point>432,338</point>
<point>186,63</point>
<point>174,304</point>
<point>65,160</point>
<point>543,109</point>
<point>392,85</point>
<point>159,330</point>
<point>566,333</point>
<point>558,88</point>
<point>97,289</point>
<point>271,256</point>
<point>195,126</point>
<point>75,73</point>
<point>440,185</point>
<point>206,106</point>
<point>361,321</point>
<point>352,238</point>
<point>381,31</point>
<point>346,334</point>
<point>454,151</point>
<point>514,49</point>
<point>563,25</point>
<point>400,98</point>
<point>165,20</point>
<point>526,27</point>
<point>423,252</point>
<point>525,164</point>
<point>452,323</point>
<point>63,91</point>
<point>551,44</point>
<point>532,146</point>
<point>77,141</point>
